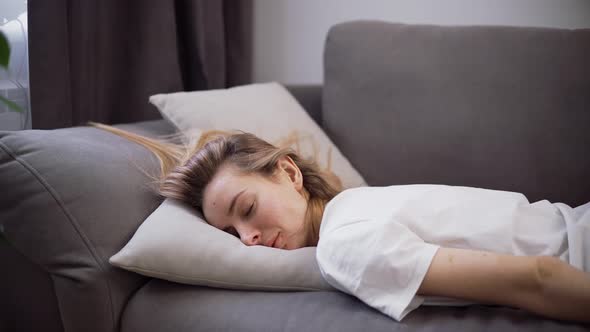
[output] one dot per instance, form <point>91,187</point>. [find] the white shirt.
<point>376,243</point>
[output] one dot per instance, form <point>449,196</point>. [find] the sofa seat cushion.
<point>165,306</point>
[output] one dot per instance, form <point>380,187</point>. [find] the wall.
<point>10,9</point>
<point>289,34</point>
<point>14,82</point>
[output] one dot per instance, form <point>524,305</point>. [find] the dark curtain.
<point>100,60</point>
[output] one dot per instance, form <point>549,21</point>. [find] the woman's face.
<point>257,209</point>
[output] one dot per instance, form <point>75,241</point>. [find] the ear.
<point>288,167</point>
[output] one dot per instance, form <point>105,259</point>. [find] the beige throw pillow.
<point>174,243</point>
<point>267,110</point>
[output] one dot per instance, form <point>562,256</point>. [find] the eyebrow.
<point>233,202</point>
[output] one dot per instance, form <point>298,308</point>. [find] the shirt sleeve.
<point>381,262</point>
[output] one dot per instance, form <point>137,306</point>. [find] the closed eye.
<point>231,230</point>
<point>249,210</point>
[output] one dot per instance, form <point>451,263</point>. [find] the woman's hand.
<point>541,284</point>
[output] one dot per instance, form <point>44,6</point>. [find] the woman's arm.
<point>540,284</point>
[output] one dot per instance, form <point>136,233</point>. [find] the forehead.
<point>223,183</point>
<point>226,183</point>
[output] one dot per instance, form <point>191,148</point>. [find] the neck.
<point>314,213</point>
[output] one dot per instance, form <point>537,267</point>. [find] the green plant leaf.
<point>4,50</point>
<point>11,104</point>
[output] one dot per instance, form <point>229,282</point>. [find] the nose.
<point>250,236</point>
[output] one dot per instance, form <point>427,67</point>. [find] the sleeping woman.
<point>395,247</point>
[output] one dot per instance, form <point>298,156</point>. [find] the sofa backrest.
<point>504,108</point>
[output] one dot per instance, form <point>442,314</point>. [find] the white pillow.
<point>176,244</point>
<point>266,110</point>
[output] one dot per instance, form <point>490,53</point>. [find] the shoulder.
<point>346,207</point>
<point>347,195</point>
<point>352,197</point>
<point>354,204</point>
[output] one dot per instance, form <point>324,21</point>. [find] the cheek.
<point>283,211</point>
<point>269,213</point>
<point>272,208</point>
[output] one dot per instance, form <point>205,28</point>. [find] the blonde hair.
<point>186,168</point>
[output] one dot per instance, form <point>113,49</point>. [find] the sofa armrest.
<point>76,197</point>
<point>21,281</point>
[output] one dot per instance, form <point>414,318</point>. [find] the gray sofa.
<point>496,107</point>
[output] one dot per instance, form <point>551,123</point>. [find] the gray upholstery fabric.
<point>75,201</point>
<point>310,97</point>
<point>503,108</point>
<point>165,306</point>
<point>20,282</point>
